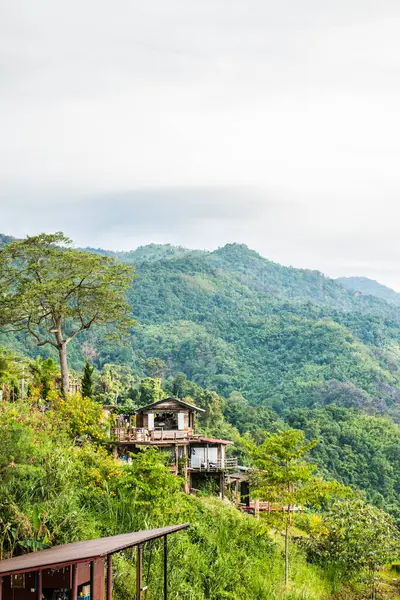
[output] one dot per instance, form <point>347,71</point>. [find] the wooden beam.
<point>139,572</point>
<point>74,582</point>
<point>165,568</point>
<point>109,577</point>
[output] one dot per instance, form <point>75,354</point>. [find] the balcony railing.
<point>142,434</point>
<point>229,464</point>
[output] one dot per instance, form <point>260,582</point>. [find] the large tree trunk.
<point>62,352</point>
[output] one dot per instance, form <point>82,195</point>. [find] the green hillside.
<point>234,321</point>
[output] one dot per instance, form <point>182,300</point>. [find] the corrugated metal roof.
<point>68,554</point>
<point>177,400</point>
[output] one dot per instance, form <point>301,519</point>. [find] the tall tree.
<point>283,476</point>
<point>88,380</point>
<point>55,292</point>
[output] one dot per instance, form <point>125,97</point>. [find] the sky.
<point>203,122</point>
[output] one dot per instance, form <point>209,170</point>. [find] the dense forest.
<point>264,349</point>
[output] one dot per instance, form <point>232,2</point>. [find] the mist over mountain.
<point>370,287</point>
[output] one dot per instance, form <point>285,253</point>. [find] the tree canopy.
<point>55,292</point>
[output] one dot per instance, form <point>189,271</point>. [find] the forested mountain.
<point>371,288</point>
<point>234,321</point>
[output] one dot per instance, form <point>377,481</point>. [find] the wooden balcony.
<point>158,434</point>
<point>229,464</point>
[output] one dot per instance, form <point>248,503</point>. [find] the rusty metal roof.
<point>76,552</point>
<point>213,441</point>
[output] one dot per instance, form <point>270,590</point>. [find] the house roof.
<point>76,552</point>
<point>212,441</point>
<point>176,400</point>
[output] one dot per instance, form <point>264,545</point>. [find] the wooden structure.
<point>71,570</point>
<point>169,425</point>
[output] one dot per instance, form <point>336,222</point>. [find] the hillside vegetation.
<point>271,353</point>
<point>57,491</point>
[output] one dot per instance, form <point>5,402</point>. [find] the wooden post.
<point>186,470</point>
<point>176,459</point>
<point>165,568</point>
<point>1,588</point>
<point>92,579</point>
<point>39,586</point>
<point>75,582</point>
<point>109,577</point>
<point>139,573</point>
<point>237,492</point>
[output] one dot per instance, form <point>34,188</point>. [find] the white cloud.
<point>298,100</point>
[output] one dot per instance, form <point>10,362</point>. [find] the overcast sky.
<point>201,122</point>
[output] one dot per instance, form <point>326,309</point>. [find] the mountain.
<point>284,337</point>
<point>370,287</point>
<point>234,321</point>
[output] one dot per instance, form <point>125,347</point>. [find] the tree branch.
<point>37,337</point>
<point>82,328</point>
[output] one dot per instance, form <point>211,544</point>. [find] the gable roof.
<point>76,552</point>
<point>176,400</point>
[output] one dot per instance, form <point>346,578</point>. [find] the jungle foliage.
<point>56,489</point>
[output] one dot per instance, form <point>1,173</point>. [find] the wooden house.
<point>169,425</point>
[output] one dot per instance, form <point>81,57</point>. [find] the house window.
<point>166,420</point>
